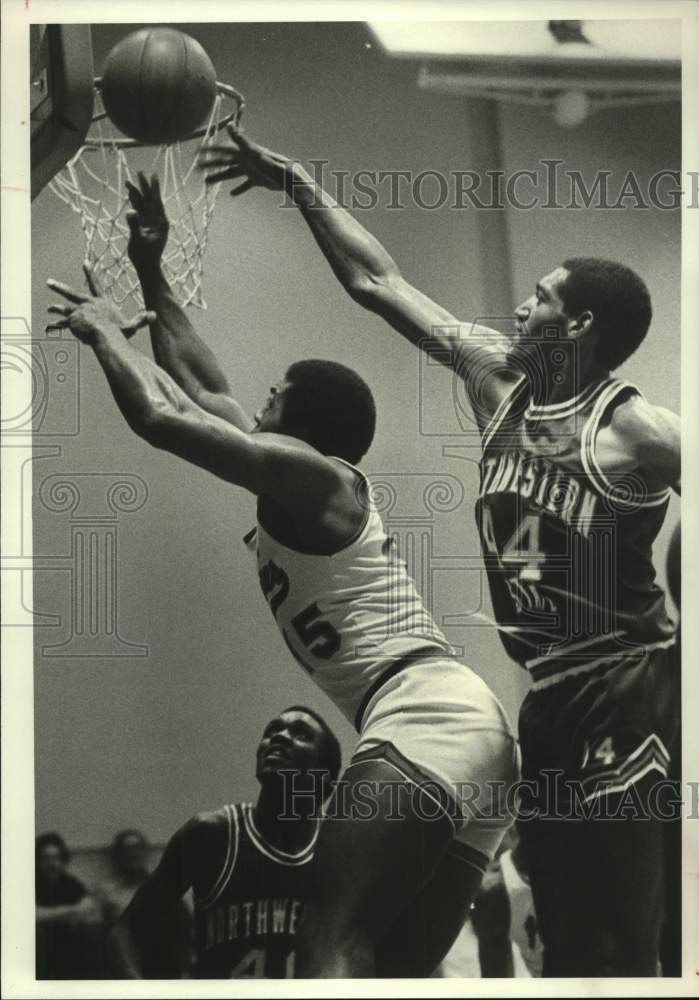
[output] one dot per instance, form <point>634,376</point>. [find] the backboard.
<point>61,96</point>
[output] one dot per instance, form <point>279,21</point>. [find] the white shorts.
<point>439,725</point>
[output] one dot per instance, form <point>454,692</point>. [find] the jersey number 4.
<point>254,966</point>
<point>521,553</point>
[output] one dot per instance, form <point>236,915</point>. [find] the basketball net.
<point>93,183</point>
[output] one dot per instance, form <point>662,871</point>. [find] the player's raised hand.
<point>148,223</point>
<point>242,158</point>
<point>86,316</point>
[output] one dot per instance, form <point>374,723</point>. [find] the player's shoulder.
<point>640,423</point>
<point>207,827</point>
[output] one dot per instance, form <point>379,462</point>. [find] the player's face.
<point>292,741</point>
<point>541,319</point>
<point>270,416</point>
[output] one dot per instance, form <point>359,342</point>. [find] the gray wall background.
<point>147,742</point>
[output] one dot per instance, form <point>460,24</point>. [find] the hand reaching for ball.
<point>148,223</point>
<point>88,316</point>
<point>260,167</point>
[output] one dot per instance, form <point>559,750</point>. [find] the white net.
<point>93,183</point>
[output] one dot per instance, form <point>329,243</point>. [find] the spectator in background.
<point>171,954</point>
<point>67,919</point>
<point>129,859</point>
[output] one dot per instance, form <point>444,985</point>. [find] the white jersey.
<point>523,925</point>
<point>347,617</point>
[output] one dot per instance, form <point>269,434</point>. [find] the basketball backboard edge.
<point>61,96</point>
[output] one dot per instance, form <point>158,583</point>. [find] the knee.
<point>326,939</point>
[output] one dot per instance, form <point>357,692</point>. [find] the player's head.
<point>51,856</point>
<point>324,403</point>
<point>128,853</point>
<point>587,296</point>
<point>299,740</point>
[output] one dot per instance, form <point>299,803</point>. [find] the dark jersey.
<point>246,922</point>
<point>567,549</point>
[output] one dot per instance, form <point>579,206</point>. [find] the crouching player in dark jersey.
<point>576,473</point>
<point>248,865</point>
<point>425,799</point>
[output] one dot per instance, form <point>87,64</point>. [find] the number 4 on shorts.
<point>604,752</point>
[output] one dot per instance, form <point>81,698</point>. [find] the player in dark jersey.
<point>576,473</point>
<point>247,864</point>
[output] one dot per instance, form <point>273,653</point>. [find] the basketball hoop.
<point>93,184</point>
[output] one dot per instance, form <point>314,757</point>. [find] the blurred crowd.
<point>74,919</point>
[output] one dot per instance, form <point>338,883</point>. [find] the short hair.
<point>333,406</point>
<point>51,840</point>
<point>618,300</point>
<point>331,754</point>
<point>117,845</point>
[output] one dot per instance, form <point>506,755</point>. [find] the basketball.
<point>158,85</point>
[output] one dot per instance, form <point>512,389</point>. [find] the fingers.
<point>226,150</point>
<point>225,175</point>
<point>133,220</point>
<point>92,282</point>
<point>143,182</point>
<point>138,321</point>
<point>221,161</point>
<point>237,135</point>
<point>250,183</point>
<point>146,194</point>
<point>67,292</point>
<point>59,310</point>
<point>135,196</point>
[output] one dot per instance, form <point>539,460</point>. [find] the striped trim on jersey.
<point>290,859</point>
<point>229,862</point>
<point>543,679</point>
<point>651,755</point>
<point>501,412</point>
<point>566,408</point>
<point>623,494</point>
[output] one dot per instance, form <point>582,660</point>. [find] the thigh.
<point>424,932</point>
<point>606,897</point>
<point>379,846</point>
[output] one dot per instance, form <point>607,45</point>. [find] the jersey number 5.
<point>317,635</point>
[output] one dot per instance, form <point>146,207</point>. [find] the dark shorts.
<point>599,733</point>
<point>602,750</point>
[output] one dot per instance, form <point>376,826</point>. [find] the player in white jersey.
<point>423,802</point>
<point>576,473</point>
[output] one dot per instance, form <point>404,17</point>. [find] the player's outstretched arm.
<point>368,272</point>
<point>156,409</point>
<point>131,938</point>
<point>176,345</point>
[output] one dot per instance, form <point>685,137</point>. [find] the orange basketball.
<point>158,85</point>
